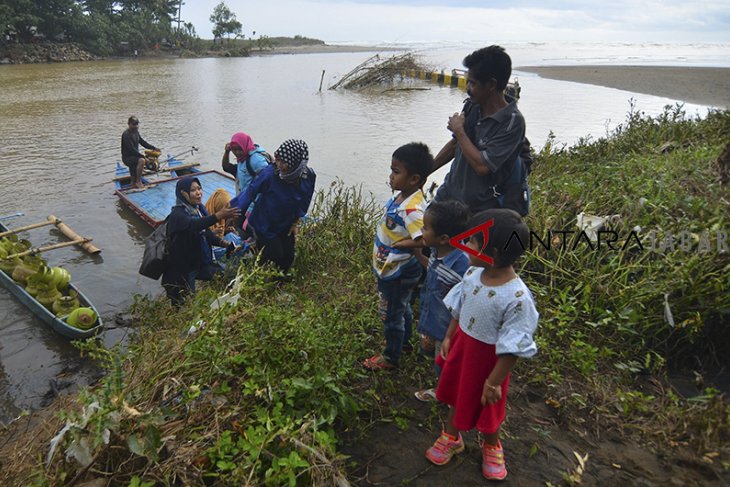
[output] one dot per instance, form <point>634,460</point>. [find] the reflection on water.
<point>61,137</point>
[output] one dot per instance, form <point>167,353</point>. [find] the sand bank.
<point>322,48</point>
<point>700,85</point>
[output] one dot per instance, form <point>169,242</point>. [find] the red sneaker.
<point>493,461</point>
<point>445,447</point>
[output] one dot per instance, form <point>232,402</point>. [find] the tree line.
<point>107,27</point>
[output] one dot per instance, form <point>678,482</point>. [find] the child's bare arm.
<point>422,259</point>
<point>444,155</point>
<point>409,243</point>
<point>492,390</point>
<point>446,343</point>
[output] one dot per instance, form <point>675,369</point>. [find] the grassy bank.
<point>265,392</point>
<point>246,47</point>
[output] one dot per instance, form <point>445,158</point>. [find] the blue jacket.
<point>258,163</point>
<point>279,204</point>
<point>441,276</point>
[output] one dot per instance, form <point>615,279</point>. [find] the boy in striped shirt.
<point>397,236</point>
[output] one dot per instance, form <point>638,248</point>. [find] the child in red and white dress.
<point>494,318</point>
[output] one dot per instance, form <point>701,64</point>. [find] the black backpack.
<point>154,260</point>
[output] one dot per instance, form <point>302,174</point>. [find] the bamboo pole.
<point>27,227</point>
<point>68,232</point>
<point>38,250</point>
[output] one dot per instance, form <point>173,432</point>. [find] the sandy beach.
<point>700,85</point>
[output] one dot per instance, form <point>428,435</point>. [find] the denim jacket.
<point>441,276</point>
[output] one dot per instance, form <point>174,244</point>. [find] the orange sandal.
<point>378,362</point>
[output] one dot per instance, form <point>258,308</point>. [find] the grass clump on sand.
<point>263,394</point>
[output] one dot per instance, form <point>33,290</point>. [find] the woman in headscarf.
<point>225,229</point>
<point>218,200</point>
<point>284,192</point>
<point>250,160</point>
<point>189,240</point>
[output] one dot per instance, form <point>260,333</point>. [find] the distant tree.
<point>225,22</point>
<point>106,7</point>
<point>264,42</point>
<point>6,15</point>
<point>104,26</point>
<point>22,16</point>
<point>56,17</point>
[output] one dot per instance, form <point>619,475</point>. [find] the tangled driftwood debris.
<point>378,71</point>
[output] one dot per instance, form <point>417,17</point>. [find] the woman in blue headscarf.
<point>284,191</point>
<point>190,255</point>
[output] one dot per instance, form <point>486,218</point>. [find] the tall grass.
<point>614,322</point>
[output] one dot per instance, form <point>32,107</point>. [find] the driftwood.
<point>377,71</point>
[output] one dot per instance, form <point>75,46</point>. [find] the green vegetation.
<point>225,22</point>
<point>104,27</point>
<point>263,394</point>
<point>108,27</point>
<point>614,323</point>
<point>244,47</point>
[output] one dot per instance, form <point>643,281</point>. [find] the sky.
<point>402,21</point>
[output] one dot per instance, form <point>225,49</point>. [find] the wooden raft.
<point>164,169</point>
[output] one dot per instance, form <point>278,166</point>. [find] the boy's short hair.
<point>448,217</point>
<point>490,63</point>
<point>508,235</point>
<point>417,159</point>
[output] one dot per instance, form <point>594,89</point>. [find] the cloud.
<point>410,20</point>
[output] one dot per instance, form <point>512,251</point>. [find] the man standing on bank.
<point>131,157</point>
<point>488,137</point>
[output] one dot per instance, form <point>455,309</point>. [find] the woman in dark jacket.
<point>190,240</point>
<point>284,191</point>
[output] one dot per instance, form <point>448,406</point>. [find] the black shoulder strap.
<point>248,166</point>
<point>466,110</point>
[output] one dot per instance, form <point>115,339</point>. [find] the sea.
<point>60,138</point>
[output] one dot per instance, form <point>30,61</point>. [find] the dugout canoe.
<point>56,323</point>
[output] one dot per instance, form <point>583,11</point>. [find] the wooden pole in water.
<point>66,230</point>
<point>38,250</point>
<point>27,227</point>
<point>320,81</point>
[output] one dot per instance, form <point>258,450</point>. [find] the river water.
<point>61,125</point>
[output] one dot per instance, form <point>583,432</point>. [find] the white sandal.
<point>426,395</point>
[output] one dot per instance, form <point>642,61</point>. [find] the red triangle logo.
<point>458,240</point>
